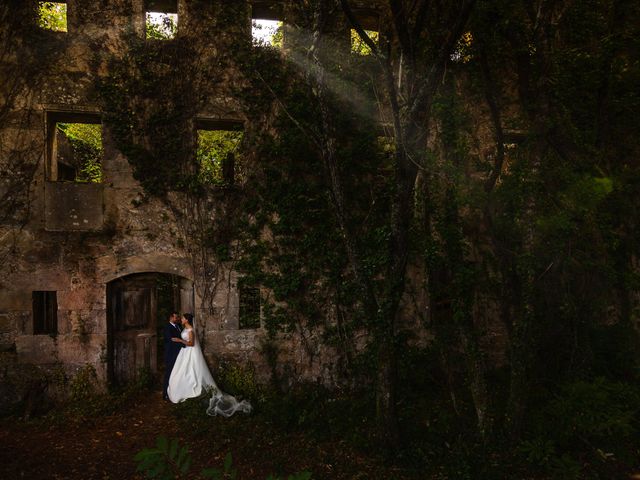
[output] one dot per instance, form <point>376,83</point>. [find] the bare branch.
<point>430,82</point>
<point>360,31</point>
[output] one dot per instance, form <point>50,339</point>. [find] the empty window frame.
<point>266,24</point>
<point>369,20</point>
<point>74,147</point>
<point>161,19</point>
<point>267,32</point>
<point>45,313</point>
<point>217,147</point>
<point>249,311</point>
<point>53,15</point>
<point>462,50</point>
<point>358,45</point>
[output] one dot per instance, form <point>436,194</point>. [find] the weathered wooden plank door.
<point>132,309</point>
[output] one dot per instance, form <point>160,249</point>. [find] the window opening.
<point>267,32</point>
<point>216,153</point>
<point>357,44</point>
<point>161,20</point>
<point>45,313</point>
<point>52,16</point>
<point>75,148</point>
<point>249,312</point>
<point>462,52</point>
<point>386,146</point>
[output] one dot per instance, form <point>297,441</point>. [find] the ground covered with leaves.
<point>103,447</point>
<point>586,430</point>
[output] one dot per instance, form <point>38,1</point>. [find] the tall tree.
<point>412,59</point>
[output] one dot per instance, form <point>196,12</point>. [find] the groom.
<point>171,349</point>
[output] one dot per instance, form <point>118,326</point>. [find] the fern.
<point>169,461</point>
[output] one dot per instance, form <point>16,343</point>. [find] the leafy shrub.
<point>85,398</point>
<point>240,381</point>
<point>169,461</point>
<point>588,423</point>
<point>86,143</point>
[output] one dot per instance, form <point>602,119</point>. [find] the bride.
<point>191,377</point>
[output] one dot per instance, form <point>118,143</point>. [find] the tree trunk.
<point>386,414</point>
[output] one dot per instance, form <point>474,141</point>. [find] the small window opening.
<point>462,51</point>
<point>357,44</point>
<point>75,148</point>
<point>161,19</point>
<point>249,314</point>
<point>45,313</point>
<point>216,153</point>
<point>267,32</point>
<point>386,145</point>
<point>52,16</point>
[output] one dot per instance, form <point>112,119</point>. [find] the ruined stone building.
<point>91,267</point>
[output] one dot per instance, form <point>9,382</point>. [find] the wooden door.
<point>132,307</point>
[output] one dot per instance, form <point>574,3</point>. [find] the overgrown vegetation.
<point>500,214</point>
<point>161,26</point>
<point>215,147</point>
<point>86,144</point>
<point>169,461</point>
<point>496,216</point>
<point>52,16</point>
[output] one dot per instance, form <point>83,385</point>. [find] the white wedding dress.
<point>191,378</point>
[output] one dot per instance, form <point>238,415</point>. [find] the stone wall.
<point>74,239</point>
<point>77,239</point>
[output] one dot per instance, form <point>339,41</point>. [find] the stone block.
<point>220,342</point>
<point>7,323</point>
<point>12,300</point>
<point>40,253</point>
<point>81,349</point>
<point>36,349</point>
<point>73,206</point>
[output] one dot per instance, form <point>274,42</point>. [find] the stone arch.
<point>112,267</point>
<point>140,292</point>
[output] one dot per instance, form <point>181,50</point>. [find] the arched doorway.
<point>137,307</point>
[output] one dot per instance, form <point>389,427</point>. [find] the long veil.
<point>221,403</point>
<point>224,404</point>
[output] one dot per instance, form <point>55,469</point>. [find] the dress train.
<point>191,377</point>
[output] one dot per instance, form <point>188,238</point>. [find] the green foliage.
<point>295,476</point>
<point>321,414</point>
<point>86,399</point>
<point>240,381</point>
<point>593,423</point>
<point>597,410</point>
<point>265,34</point>
<point>357,44</point>
<point>83,385</point>
<point>52,16</point>
<point>161,26</point>
<point>168,461</point>
<point>86,143</point>
<point>550,246</point>
<point>214,147</point>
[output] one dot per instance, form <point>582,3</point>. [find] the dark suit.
<point>171,351</point>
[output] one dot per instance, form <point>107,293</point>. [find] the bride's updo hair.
<point>189,317</point>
